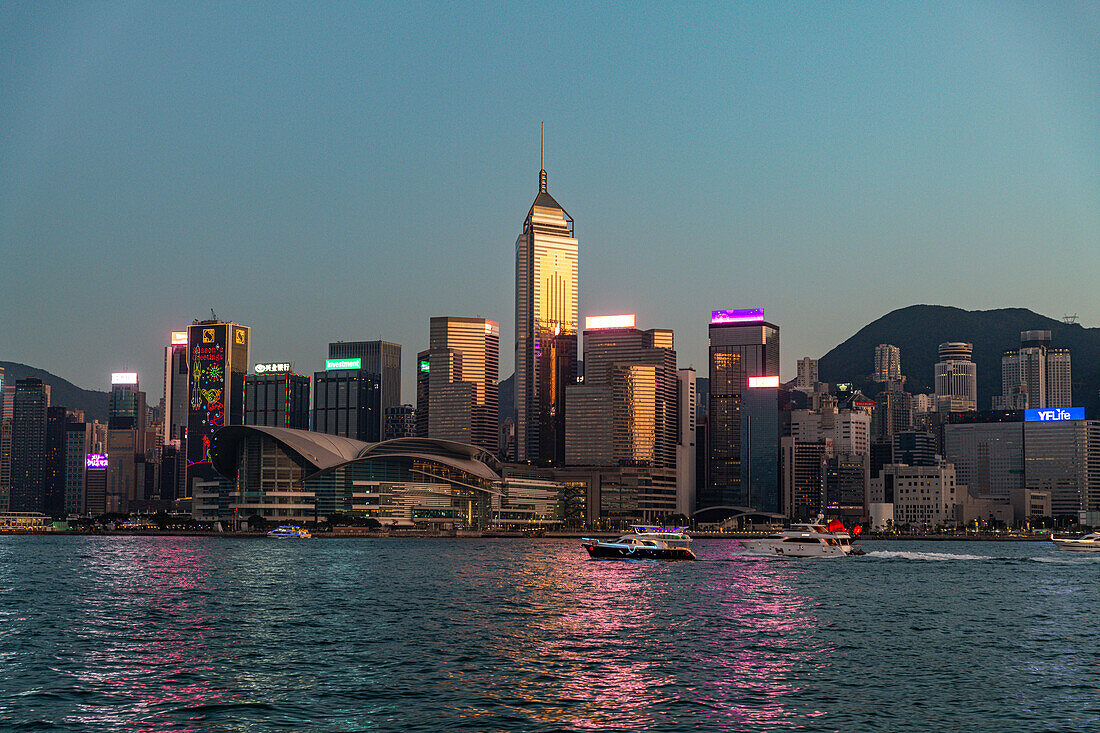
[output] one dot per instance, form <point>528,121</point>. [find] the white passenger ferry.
<point>291,531</point>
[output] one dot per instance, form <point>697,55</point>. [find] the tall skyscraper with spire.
<point>546,326</point>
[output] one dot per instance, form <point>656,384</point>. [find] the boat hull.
<point>781,548</point>
<point>608,551</point>
<point>1077,546</point>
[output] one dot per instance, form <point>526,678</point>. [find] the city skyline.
<point>913,146</point>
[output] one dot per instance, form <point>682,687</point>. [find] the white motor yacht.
<point>814,539</point>
<point>1088,543</point>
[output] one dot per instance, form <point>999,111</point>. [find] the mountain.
<point>919,330</point>
<point>62,391</point>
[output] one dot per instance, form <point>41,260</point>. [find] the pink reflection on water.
<point>144,634</point>
<point>723,642</point>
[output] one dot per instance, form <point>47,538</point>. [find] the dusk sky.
<point>326,172</point>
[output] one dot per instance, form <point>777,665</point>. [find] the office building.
<point>893,412</point>
<point>28,446</point>
<point>460,387</point>
<point>956,378</point>
<point>742,429</point>
<point>7,411</point>
<point>175,387</point>
<point>54,498</point>
<point>844,482</point>
<point>380,358</point>
<point>914,448</point>
<point>95,483</point>
<point>686,446</point>
<point>845,430</point>
<point>276,397</point>
<point>400,422</point>
<point>807,375</point>
<point>1058,460</point>
<point>626,413</point>
<point>218,361</point>
<point>987,450</point>
<point>887,363</point>
<point>78,444</point>
<point>922,496</point>
<point>347,401</point>
<point>800,464</point>
<point>126,428</point>
<point>546,327</point>
<point>1035,375</point>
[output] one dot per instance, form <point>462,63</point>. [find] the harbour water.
<point>210,634</point>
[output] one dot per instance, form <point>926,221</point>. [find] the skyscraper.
<point>276,397</point>
<point>807,374</point>
<point>546,327</point>
<point>380,358</point>
<point>956,378</point>
<point>626,408</point>
<point>218,359</point>
<point>28,446</point>
<point>1035,375</point>
<point>743,412</point>
<point>461,394</point>
<point>347,401</point>
<point>125,442</point>
<point>887,363</point>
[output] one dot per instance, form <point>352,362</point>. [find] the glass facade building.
<point>547,257</point>
<point>739,427</point>
<point>458,390</point>
<point>277,400</point>
<point>347,402</point>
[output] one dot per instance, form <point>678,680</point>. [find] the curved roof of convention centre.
<point>326,452</point>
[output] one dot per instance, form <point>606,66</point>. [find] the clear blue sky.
<point>347,171</point>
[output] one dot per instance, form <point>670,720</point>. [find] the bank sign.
<point>1054,414</point>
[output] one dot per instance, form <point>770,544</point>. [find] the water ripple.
<point>209,634</point>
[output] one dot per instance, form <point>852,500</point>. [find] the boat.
<point>288,530</point>
<point>813,539</point>
<point>1088,543</point>
<point>645,542</point>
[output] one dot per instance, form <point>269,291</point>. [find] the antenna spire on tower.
<point>542,157</point>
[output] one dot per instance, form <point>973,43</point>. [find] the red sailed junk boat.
<point>645,543</point>
<point>814,539</point>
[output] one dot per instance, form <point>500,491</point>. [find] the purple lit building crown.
<point>743,315</point>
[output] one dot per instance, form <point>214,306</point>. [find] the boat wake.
<point>949,556</point>
<point>904,555</point>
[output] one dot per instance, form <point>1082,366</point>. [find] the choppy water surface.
<point>203,634</point>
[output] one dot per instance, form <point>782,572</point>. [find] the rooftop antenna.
<point>542,158</point>
<point>213,314</point>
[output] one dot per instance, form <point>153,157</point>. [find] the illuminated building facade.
<point>285,475</point>
<point>277,398</point>
<point>743,413</point>
<point>459,390</point>
<point>217,363</point>
<point>626,413</point>
<point>546,327</point>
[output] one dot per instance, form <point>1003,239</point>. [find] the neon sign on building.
<point>743,315</point>
<point>760,382</point>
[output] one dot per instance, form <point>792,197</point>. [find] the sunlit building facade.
<point>546,327</point>
<point>458,390</point>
